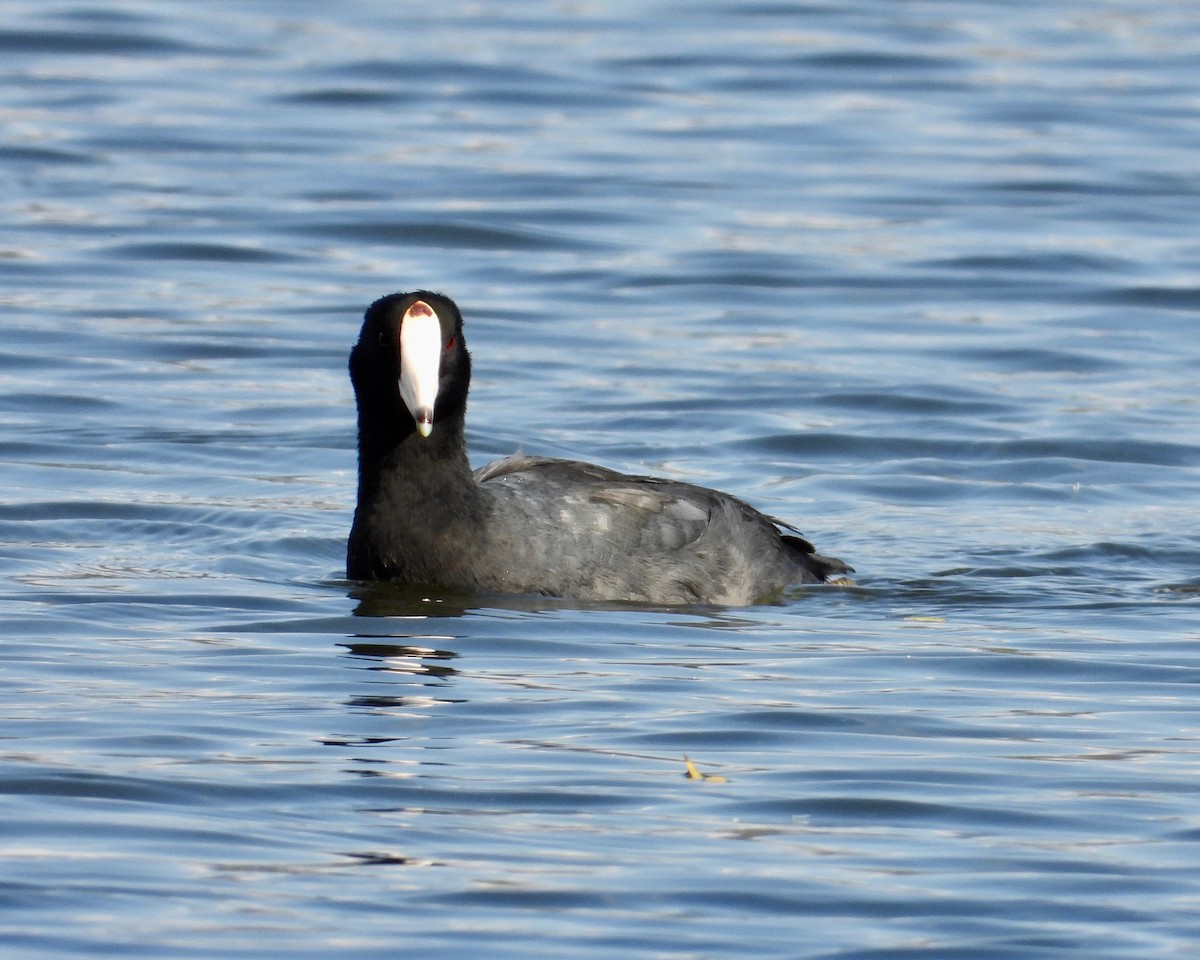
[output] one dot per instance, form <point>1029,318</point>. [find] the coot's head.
<point>410,365</point>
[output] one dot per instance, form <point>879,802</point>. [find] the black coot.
<point>529,524</point>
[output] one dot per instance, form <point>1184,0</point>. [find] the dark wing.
<point>584,530</point>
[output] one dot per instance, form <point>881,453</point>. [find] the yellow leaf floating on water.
<point>692,772</point>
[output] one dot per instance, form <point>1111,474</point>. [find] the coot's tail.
<point>821,569</point>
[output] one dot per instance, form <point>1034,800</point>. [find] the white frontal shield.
<point>420,363</point>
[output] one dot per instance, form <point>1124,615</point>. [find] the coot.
<point>531,525</point>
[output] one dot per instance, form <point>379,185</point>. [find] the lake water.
<point>923,278</point>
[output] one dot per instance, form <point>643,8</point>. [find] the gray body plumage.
<point>575,529</point>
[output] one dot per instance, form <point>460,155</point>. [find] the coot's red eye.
<point>450,343</point>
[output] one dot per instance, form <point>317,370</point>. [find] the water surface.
<point>922,278</point>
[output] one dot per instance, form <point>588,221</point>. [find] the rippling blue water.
<point>921,277</point>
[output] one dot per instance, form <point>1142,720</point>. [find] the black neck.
<point>396,453</point>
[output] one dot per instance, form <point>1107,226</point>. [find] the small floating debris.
<point>692,772</point>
